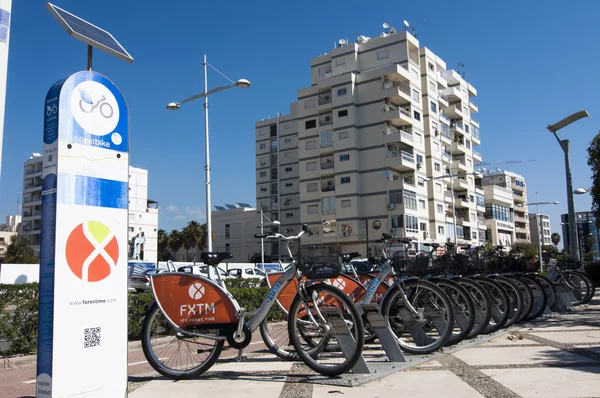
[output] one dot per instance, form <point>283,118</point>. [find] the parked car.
<point>137,279</point>
<point>247,272</point>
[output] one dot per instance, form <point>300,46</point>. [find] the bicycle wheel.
<point>515,298</point>
<point>527,296</point>
<point>540,299</point>
<point>463,310</point>
<point>549,288</point>
<point>420,315</point>
<point>500,303</point>
<point>162,352</point>
<point>275,335</point>
<point>583,287</point>
<point>327,330</point>
<point>482,303</point>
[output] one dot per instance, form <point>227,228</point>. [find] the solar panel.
<point>88,33</point>
<point>220,208</point>
<point>230,206</point>
<point>244,204</point>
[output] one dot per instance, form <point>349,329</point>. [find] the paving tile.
<point>516,356</point>
<point>408,384</point>
<point>504,340</point>
<point>549,382</point>
<point>571,337</point>
<point>558,326</point>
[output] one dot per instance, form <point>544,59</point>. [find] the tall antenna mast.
<point>461,69</point>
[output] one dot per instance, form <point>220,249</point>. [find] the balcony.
<point>459,165</point>
<point>399,136</point>
<point>473,108</point>
<point>446,157</point>
<point>458,149</point>
<point>475,134</point>
<point>461,203</point>
<point>326,162</point>
<point>398,115</point>
<point>457,126</point>
<point>398,92</point>
<point>396,72</point>
<point>445,118</point>
<point>443,99</point>
<point>455,111</point>
<point>325,98</point>
<point>517,187</point>
<point>453,94</point>
<point>460,184</point>
<point>520,219</point>
<point>327,184</point>
<point>521,230</point>
<point>481,221</point>
<point>477,156</point>
<point>325,119</point>
<point>400,160</point>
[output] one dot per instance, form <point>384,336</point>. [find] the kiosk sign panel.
<point>82,337</point>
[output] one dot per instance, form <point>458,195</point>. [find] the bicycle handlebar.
<point>277,235</point>
<point>387,237</point>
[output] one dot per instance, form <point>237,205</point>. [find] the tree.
<point>589,241</point>
<point>174,242</point>
<point>594,162</point>
<point>163,243</point>
<point>257,258</point>
<point>192,237</point>
<point>19,251</point>
<point>555,239</point>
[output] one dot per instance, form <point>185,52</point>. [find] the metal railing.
<point>327,163</point>
<point>443,97</point>
<point>405,112</point>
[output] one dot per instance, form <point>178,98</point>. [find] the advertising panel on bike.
<point>192,300</point>
<point>83,250</point>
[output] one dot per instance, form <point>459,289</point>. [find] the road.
<point>19,382</point>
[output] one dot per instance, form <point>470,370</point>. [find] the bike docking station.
<point>82,325</point>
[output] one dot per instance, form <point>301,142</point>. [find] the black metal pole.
<point>89,58</point>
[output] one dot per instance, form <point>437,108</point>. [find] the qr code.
<point>91,337</point>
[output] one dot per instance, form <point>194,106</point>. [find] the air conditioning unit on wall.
<point>391,206</point>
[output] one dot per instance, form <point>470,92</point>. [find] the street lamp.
<point>540,228</point>
<point>242,83</point>
<point>564,144</point>
<point>262,240</point>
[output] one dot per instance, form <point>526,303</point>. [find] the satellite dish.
<point>386,25</point>
<point>342,42</point>
<point>406,23</point>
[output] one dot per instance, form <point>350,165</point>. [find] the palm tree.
<point>174,241</point>
<point>555,239</point>
<point>163,243</point>
<point>19,251</point>
<point>194,236</point>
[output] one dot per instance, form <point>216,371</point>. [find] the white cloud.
<point>172,208</point>
<point>179,218</point>
<point>196,212</point>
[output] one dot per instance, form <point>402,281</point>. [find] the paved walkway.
<point>558,356</point>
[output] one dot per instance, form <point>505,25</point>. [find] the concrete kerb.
<point>24,360</point>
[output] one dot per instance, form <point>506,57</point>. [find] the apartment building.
<point>365,147</point>
<point>539,225</point>
<point>586,224</point>
<point>143,213</point>
<point>234,227</point>
<point>506,214</point>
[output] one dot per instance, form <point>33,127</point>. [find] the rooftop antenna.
<point>461,69</point>
<point>386,26</point>
<point>413,27</point>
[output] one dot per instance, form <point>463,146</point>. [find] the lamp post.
<point>262,240</point>
<point>540,228</point>
<point>242,83</point>
<point>564,144</point>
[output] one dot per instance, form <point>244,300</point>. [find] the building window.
<point>287,140</point>
<point>343,113</point>
<point>468,144</point>
<point>342,91</point>
<point>310,103</point>
<point>311,187</point>
<point>415,95</point>
<point>498,212</point>
<point>328,205</point>
<point>344,180</point>
<point>430,66</point>
<point>432,85</point>
<point>227,247</point>
<point>346,203</point>
<point>323,70</point>
<point>344,157</point>
<point>440,230</point>
<point>263,161</point>
<point>312,209</point>
<point>417,115</point>
<point>311,144</point>
<point>411,223</point>
<point>437,167</point>
<point>263,174</point>
<point>263,145</point>
<point>263,189</point>
<point>410,200</point>
<point>288,169</point>
<point>438,187</point>
<point>417,137</point>
<point>326,139</point>
<point>310,166</point>
<point>310,124</point>
<point>421,204</point>
<point>226,231</point>
<point>419,159</point>
<point>343,135</point>
<point>436,146</point>
<point>395,197</point>
<point>289,184</point>
<point>383,54</point>
<point>480,200</point>
<point>439,208</point>
<point>433,107</point>
<point>340,61</point>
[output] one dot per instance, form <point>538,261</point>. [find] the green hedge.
<point>19,306</point>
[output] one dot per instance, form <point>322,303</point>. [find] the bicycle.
<point>197,308</point>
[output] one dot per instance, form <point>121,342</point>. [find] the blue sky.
<point>532,63</point>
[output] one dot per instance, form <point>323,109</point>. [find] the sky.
<point>532,63</point>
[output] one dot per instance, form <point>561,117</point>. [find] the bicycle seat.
<point>214,258</point>
<point>349,256</point>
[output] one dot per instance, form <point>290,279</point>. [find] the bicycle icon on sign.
<point>104,107</point>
